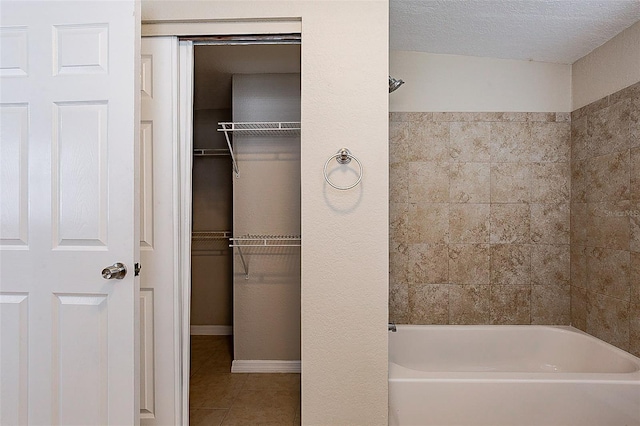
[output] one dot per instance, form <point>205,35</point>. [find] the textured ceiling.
<point>560,31</point>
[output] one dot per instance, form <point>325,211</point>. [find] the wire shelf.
<point>262,128</point>
<point>210,235</point>
<point>210,242</point>
<point>256,128</point>
<point>266,241</point>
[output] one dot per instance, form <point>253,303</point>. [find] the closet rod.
<point>211,152</point>
<point>294,38</point>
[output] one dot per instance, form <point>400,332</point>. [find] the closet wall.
<point>211,260</point>
<point>266,201</point>
<point>247,83</point>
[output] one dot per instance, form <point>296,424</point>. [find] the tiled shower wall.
<point>479,212</point>
<point>605,219</point>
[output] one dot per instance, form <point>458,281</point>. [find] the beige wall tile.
<point>428,223</point>
<point>578,266</point>
<point>429,141</point>
<point>398,302</point>
<point>579,181</point>
<point>579,308</point>
<point>410,116</point>
<point>510,183</point>
<point>608,225</point>
<point>469,183</point>
<point>579,139</point>
<point>608,319</point>
<point>428,264</point>
<point>527,116</point>
<point>398,261</point>
<point>579,222</point>
<point>609,177</point>
<point>428,182</point>
<point>510,304</point>
<point>590,109</point>
<point>635,123</point>
<point>550,223</point>
<point>550,182</point>
<point>510,142</point>
<point>466,116</point>
<point>629,92</point>
<point>634,171</point>
<point>399,183</point>
<point>550,142</point>
<point>470,142</point>
<point>510,264</point>
<point>459,181</point>
<point>510,224</point>
<point>551,304</point>
<point>634,329</point>
<point>608,128</point>
<point>398,142</point>
<point>634,221</point>
<point>469,263</point>
<point>429,304</point>
<point>398,222</point>
<point>469,223</point>
<point>550,265</point>
<point>634,277</point>
<point>608,272</point>
<point>469,304</point>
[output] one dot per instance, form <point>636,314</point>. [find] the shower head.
<point>394,83</point>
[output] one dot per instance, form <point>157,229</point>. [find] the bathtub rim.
<point>401,373</point>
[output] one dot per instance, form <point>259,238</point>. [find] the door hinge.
<point>136,269</point>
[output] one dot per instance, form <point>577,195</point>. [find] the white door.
<point>68,154</point>
<point>159,313</point>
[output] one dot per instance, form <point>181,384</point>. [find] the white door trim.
<point>183,113</point>
<point>177,233</point>
<point>182,206</point>
<point>226,27</point>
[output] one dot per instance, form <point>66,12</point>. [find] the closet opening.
<point>246,232</point>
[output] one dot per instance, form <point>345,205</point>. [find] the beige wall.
<point>345,234</point>
<point>266,201</point>
<point>479,206</point>
<point>436,82</point>
<point>211,262</point>
<point>609,68</point>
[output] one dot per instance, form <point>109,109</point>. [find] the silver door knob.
<point>117,271</point>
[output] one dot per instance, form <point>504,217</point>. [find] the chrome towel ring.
<point>343,156</point>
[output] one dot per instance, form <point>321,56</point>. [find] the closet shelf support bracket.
<point>233,157</point>
<point>244,263</point>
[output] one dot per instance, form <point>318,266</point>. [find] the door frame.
<point>183,148</point>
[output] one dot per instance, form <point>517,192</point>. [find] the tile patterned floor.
<point>218,397</point>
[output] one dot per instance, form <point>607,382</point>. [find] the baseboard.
<point>211,330</point>
<point>265,366</point>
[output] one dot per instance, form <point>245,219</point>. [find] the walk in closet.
<point>246,236</point>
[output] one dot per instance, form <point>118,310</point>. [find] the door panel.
<point>68,146</point>
<point>14,353</point>
<point>158,145</point>
<point>80,175</point>
<point>14,189</point>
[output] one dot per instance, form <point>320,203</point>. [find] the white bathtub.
<point>509,375</point>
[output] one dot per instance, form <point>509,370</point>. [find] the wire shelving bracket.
<point>256,128</point>
<point>263,241</point>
